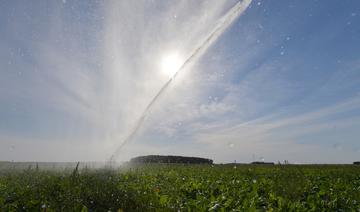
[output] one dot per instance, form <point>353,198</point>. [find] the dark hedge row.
<point>170,159</point>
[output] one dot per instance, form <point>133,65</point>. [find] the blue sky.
<point>281,83</point>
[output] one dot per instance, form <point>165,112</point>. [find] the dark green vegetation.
<point>184,187</point>
<point>170,159</point>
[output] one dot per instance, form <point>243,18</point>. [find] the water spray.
<point>223,24</point>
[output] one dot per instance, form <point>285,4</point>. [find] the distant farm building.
<point>170,159</point>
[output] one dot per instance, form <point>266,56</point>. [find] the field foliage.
<point>184,188</point>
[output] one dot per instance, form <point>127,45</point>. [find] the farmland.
<point>183,187</point>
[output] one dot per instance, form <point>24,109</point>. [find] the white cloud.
<point>274,133</point>
<point>225,105</point>
<point>103,71</point>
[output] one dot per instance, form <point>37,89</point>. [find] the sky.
<point>282,82</point>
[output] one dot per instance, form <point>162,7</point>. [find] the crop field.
<point>183,188</point>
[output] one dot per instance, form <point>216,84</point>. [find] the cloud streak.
<point>76,76</point>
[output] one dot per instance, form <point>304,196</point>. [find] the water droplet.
<point>213,208</point>
<point>337,146</point>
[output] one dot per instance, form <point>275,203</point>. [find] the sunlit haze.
<point>170,64</point>
<point>267,80</point>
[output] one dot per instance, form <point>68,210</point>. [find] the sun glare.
<point>170,64</point>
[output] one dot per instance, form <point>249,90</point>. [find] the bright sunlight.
<point>170,64</point>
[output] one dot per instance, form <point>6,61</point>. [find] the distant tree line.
<point>170,159</point>
<point>263,163</point>
<point>357,163</point>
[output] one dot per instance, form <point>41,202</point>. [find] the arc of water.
<point>223,24</point>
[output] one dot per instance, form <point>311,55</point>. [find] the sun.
<point>170,64</point>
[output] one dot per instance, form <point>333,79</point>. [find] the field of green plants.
<point>183,188</point>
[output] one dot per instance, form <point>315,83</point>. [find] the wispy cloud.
<point>97,68</point>
<point>76,76</point>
